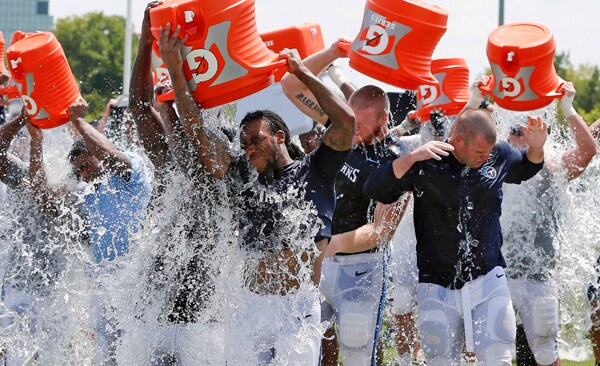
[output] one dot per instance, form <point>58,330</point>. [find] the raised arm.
<point>44,197</point>
<point>387,182</point>
<point>339,135</point>
<point>300,94</point>
<point>211,145</point>
<point>8,131</point>
<point>99,145</point>
<point>535,134</point>
<point>149,124</point>
<point>371,235</point>
<point>575,160</point>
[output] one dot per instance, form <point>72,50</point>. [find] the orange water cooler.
<point>43,78</point>
<point>307,38</point>
<point>397,40</point>
<point>451,94</point>
<point>224,58</point>
<point>521,57</point>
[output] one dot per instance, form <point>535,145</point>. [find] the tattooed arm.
<point>339,135</point>
<point>298,92</point>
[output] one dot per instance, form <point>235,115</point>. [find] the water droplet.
<point>459,227</point>
<point>421,172</point>
<point>101,230</point>
<point>470,205</point>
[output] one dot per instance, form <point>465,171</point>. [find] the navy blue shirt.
<point>456,211</point>
<point>267,222</point>
<point>352,210</point>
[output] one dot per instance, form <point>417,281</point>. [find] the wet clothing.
<point>36,244</point>
<point>266,220</point>
<point>457,211</point>
<point>479,316</point>
<point>115,210</point>
<point>352,210</point>
<point>529,246</point>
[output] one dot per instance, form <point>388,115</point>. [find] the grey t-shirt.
<point>529,225</point>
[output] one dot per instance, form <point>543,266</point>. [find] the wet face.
<point>261,147</point>
<point>473,151</point>
<point>371,123</point>
<point>87,167</point>
<point>517,141</point>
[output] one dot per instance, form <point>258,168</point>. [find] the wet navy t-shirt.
<point>456,211</point>
<point>352,210</point>
<point>268,202</point>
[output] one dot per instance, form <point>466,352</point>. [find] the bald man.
<point>463,296</point>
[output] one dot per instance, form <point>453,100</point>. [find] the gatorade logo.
<point>30,105</point>
<point>510,87</point>
<point>378,38</point>
<point>203,63</point>
<point>213,60</point>
<point>428,94</point>
<point>517,87</point>
<point>431,95</point>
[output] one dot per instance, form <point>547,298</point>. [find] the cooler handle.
<point>345,45</point>
<point>487,89</point>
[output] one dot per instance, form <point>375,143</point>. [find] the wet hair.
<point>476,122</point>
<point>371,96</point>
<point>275,123</point>
<point>79,148</point>
<point>516,130</point>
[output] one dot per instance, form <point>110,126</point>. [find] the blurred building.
<point>24,15</point>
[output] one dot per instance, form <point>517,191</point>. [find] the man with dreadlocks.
<point>285,217</point>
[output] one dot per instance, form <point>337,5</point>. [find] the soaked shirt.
<point>530,226</point>
<point>274,207</point>
<point>456,211</point>
<point>115,209</point>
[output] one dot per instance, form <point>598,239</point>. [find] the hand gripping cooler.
<point>521,57</point>
<point>224,59</point>
<point>451,94</point>
<point>43,78</point>
<point>396,41</point>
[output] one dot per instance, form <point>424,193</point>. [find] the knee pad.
<point>498,354</point>
<point>545,356</point>
<point>434,332</point>
<point>403,300</point>
<point>354,358</point>
<point>502,324</point>
<point>355,330</point>
<point>545,317</point>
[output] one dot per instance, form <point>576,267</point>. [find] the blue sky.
<point>574,23</point>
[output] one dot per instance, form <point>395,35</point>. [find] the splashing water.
<point>174,296</point>
<point>551,209</point>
